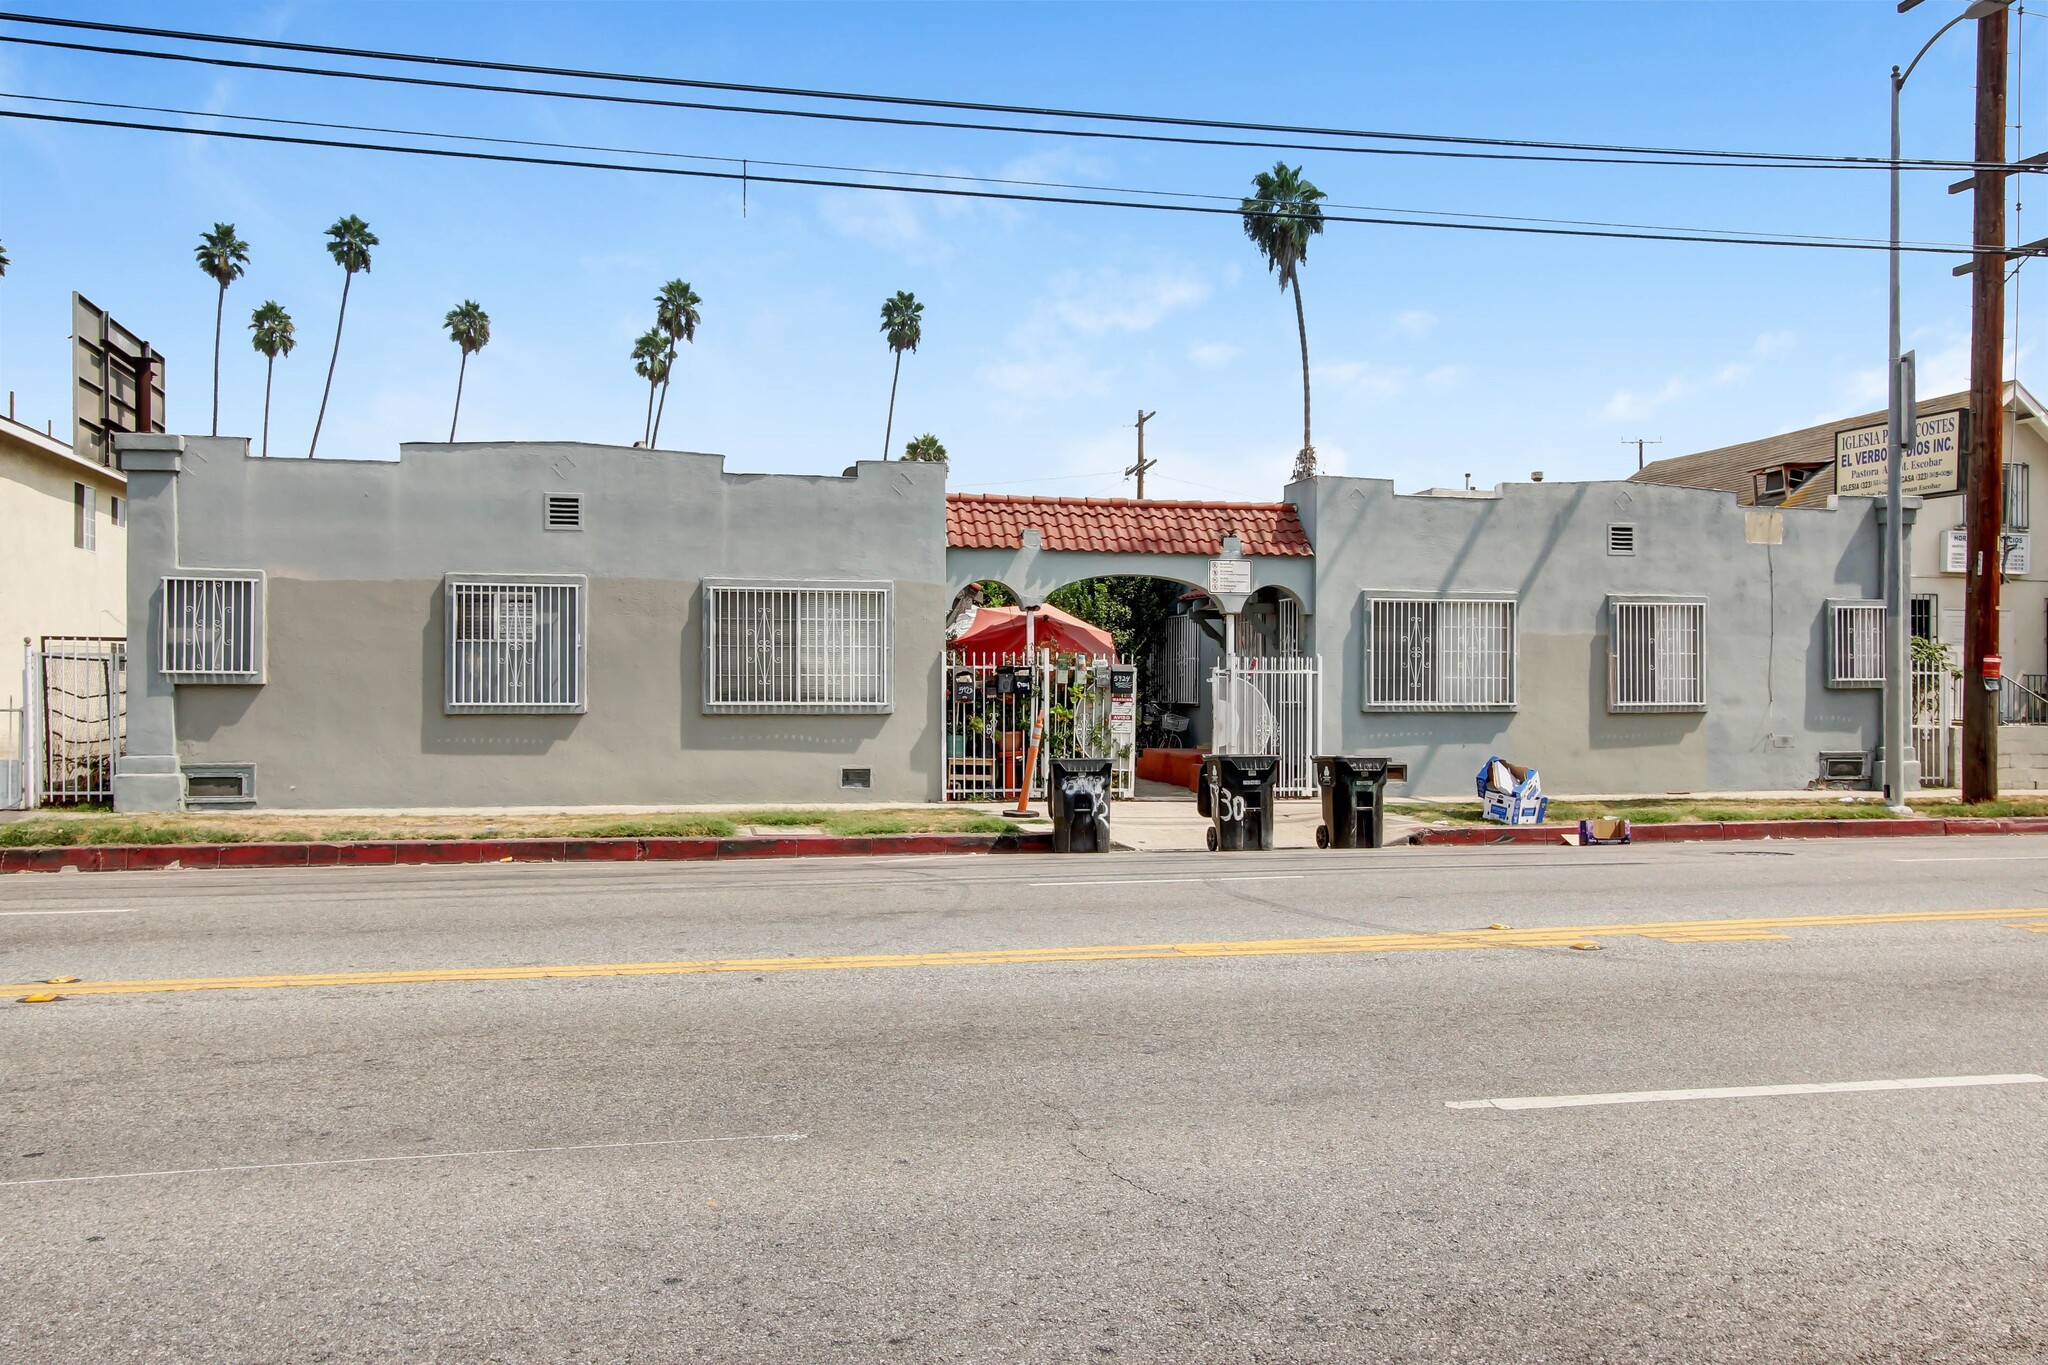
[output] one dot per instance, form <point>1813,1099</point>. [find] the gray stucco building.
<point>558,624</point>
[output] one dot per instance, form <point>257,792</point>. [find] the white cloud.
<point>1629,405</point>
<point>1383,381</point>
<point>1214,355</point>
<point>1108,300</point>
<point>1046,354</point>
<point>888,221</point>
<point>1414,322</point>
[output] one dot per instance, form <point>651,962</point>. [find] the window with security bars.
<point>815,647</point>
<point>1855,644</point>
<point>211,628</point>
<point>515,645</point>
<point>1657,656</point>
<point>1440,654</point>
<point>2019,497</point>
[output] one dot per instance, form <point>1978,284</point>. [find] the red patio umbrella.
<point>1000,630</point>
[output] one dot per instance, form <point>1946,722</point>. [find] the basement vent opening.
<point>1844,770</point>
<point>220,785</point>
<point>562,511</point>
<point>1621,539</point>
<point>862,778</point>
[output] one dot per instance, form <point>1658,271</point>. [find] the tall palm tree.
<point>348,242</point>
<point>903,327</point>
<point>469,327</point>
<point>650,362</point>
<point>1281,215</point>
<point>676,317</point>
<point>223,256</point>
<point>272,334</point>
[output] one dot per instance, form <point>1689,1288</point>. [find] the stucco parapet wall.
<point>1325,487</point>
<point>150,452</point>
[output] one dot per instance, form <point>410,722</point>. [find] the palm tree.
<point>1279,218</point>
<point>650,362</point>
<point>903,326</point>
<point>676,317</point>
<point>348,242</point>
<point>470,328</point>
<point>272,334</point>
<point>925,448</point>
<point>223,256</point>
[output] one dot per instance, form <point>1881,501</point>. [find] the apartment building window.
<point>1855,644</point>
<point>117,511</point>
<point>811,647</point>
<point>515,644</point>
<point>211,627</point>
<point>1925,608</point>
<point>1657,655</point>
<point>2019,497</point>
<point>1440,654</point>
<point>82,516</point>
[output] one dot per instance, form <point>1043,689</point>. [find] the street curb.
<point>1692,831</point>
<point>419,852</point>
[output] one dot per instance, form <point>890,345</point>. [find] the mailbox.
<point>1123,681</point>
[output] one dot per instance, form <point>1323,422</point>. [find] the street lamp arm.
<point>1899,78</point>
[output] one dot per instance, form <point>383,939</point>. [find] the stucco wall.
<point>350,713</point>
<point>2023,598</point>
<point>1769,713</point>
<point>48,586</point>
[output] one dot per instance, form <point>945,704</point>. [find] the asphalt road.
<point>1034,1141</point>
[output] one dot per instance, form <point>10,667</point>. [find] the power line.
<point>941,191</point>
<point>921,102</point>
<point>920,175</point>
<point>1709,160</point>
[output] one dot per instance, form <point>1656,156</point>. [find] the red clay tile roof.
<point>986,521</point>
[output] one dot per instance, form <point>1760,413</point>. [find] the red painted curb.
<point>1693,831</point>
<point>387,853</point>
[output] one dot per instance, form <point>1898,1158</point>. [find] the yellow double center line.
<point>1675,931</point>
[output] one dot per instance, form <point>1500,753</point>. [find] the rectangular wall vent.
<point>863,778</point>
<point>1621,539</point>
<point>220,786</point>
<point>562,511</point>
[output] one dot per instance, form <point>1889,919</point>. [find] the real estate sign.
<point>1934,466</point>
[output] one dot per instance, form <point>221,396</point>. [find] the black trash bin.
<point>1078,791</point>
<point>1237,796</point>
<point>1354,794</point>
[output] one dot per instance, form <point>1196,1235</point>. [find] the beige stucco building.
<point>63,546</point>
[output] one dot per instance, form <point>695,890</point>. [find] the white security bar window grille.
<point>1182,669</point>
<point>82,516</point>
<point>786,647</point>
<point>562,511</point>
<point>211,628</point>
<point>2019,497</point>
<point>515,644</point>
<point>1621,539</point>
<point>1855,644</point>
<point>1440,654</point>
<point>1657,656</point>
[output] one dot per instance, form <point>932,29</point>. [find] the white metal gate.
<point>988,726</point>
<point>1270,706</point>
<point>13,749</point>
<point>76,722</point>
<point>1937,713</point>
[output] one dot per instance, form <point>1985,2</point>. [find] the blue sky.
<point>1435,354</point>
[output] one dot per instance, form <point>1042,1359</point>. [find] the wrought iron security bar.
<point>1441,654</point>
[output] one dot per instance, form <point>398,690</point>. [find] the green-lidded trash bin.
<point>1237,791</point>
<point>1354,792</point>
<point>1078,794</point>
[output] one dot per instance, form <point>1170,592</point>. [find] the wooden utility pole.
<point>1639,442</point>
<point>1143,464</point>
<point>1984,507</point>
